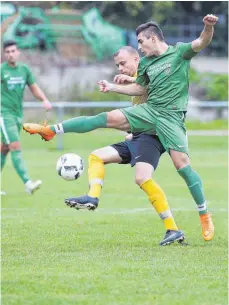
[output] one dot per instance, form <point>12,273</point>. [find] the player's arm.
<point>130,89</point>
<point>206,35</point>
<point>39,94</point>
<point>124,79</point>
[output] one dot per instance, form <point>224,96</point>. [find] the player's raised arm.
<point>39,94</point>
<point>207,33</point>
<point>130,89</point>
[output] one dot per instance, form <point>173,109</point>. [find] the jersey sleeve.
<point>186,50</point>
<point>30,78</point>
<point>142,78</point>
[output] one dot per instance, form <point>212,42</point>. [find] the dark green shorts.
<point>10,129</point>
<point>167,124</point>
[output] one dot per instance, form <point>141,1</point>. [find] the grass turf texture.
<point>212,125</point>
<point>54,255</point>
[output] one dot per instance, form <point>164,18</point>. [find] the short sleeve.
<point>186,50</point>
<point>30,78</point>
<point>142,78</point>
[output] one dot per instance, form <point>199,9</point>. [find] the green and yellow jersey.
<point>137,100</point>
<point>13,82</point>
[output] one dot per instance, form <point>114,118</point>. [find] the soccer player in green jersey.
<point>163,73</point>
<point>140,150</point>
<point>14,77</point>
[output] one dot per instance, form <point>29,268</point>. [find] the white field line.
<point>211,133</point>
<point>145,210</point>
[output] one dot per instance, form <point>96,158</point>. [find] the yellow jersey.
<point>137,100</point>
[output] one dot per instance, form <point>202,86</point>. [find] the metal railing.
<point>61,106</point>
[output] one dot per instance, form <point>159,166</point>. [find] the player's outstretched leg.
<point>79,125</point>
<point>45,132</point>
<point>96,173</point>
<point>171,236</point>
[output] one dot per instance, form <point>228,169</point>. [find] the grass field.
<point>53,255</point>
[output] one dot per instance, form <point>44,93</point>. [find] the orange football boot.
<point>44,131</point>
<point>207,226</point>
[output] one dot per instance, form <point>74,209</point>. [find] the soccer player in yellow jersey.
<point>140,150</point>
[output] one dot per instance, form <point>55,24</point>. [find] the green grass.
<point>212,125</point>
<point>53,255</point>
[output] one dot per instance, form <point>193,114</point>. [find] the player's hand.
<point>124,79</point>
<point>210,20</point>
<point>104,86</point>
<point>47,105</point>
<point>129,137</point>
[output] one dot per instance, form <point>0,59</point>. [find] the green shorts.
<point>167,124</point>
<point>10,129</point>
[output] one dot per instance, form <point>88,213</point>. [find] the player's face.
<point>127,63</point>
<point>146,45</point>
<point>11,53</point>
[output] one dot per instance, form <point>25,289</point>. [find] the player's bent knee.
<point>144,172</point>
<point>140,179</point>
<point>181,163</point>
<point>180,159</point>
<point>96,155</point>
<point>14,146</point>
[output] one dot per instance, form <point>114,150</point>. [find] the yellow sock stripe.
<point>159,201</point>
<point>96,181</point>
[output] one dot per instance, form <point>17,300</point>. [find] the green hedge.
<point>214,85</point>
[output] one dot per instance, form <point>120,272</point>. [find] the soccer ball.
<point>70,166</point>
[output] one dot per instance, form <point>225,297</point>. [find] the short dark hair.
<point>9,43</point>
<point>150,28</point>
<point>129,49</point>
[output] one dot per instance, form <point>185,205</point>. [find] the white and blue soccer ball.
<point>70,166</point>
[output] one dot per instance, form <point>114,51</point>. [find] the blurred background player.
<point>163,72</point>
<point>14,77</point>
<point>141,150</point>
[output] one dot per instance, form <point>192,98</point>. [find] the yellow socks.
<point>96,173</point>
<point>159,201</point>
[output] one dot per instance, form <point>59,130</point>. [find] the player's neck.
<point>13,65</point>
<point>161,49</point>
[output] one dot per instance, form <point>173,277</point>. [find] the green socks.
<point>194,184</point>
<point>18,164</point>
<point>81,124</point>
<point>3,160</point>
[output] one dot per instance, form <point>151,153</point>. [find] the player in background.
<point>140,150</point>
<point>14,77</point>
<point>164,73</point>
